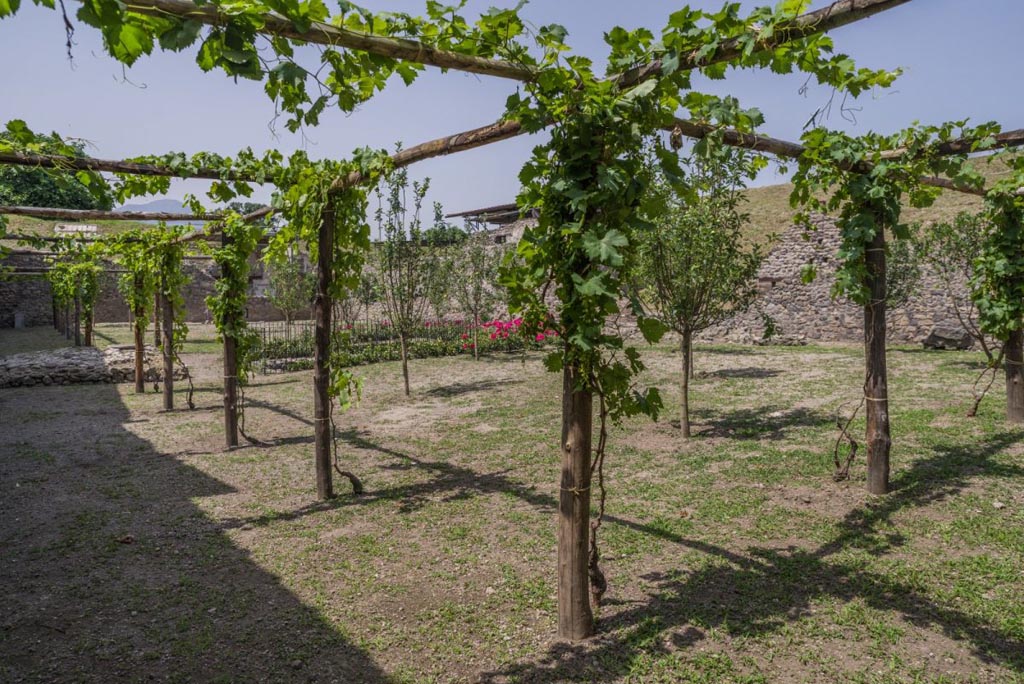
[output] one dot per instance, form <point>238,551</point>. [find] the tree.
<point>34,187</point>
<point>691,269</point>
<point>997,285</point>
<point>405,261</point>
<point>477,267</point>
<point>291,287</point>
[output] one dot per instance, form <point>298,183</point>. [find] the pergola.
<point>574,524</point>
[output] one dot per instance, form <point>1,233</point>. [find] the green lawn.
<point>733,557</point>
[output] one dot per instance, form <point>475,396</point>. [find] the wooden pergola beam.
<point>99,215</point>
<point>792,150</point>
<point>325,34</point>
<point>64,163</point>
<point>826,19</point>
<point>835,15</point>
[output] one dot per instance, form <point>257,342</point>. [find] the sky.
<point>960,57</point>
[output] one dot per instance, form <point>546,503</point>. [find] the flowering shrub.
<point>362,343</point>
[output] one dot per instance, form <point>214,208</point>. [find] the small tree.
<point>691,270</point>
<point>291,287</point>
<point>477,266</point>
<point>404,259</point>
<point>949,250</point>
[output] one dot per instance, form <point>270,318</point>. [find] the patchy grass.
<point>31,339</point>
<point>771,214</point>
<point>135,547</point>
<point>201,337</point>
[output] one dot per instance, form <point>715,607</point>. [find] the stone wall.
<point>808,312</point>
<point>28,295</point>
<point>32,295</point>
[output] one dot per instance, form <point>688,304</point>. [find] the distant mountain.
<point>165,205</point>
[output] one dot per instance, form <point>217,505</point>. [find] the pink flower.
<point>465,336</point>
<point>494,335</point>
<point>540,337</point>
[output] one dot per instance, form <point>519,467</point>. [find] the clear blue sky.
<point>961,59</point>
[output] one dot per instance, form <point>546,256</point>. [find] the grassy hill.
<point>33,226</point>
<point>770,212</point>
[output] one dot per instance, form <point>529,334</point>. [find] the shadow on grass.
<point>772,422</point>
<point>752,592</point>
<point>751,372</point>
<point>457,389</point>
<point>109,562</point>
<point>764,589</point>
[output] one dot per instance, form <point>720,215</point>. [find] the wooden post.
<point>876,390</point>
<point>139,329</point>
<point>78,320</point>
<point>684,407</point>
<point>575,617</point>
<point>156,319</point>
<point>322,340</point>
<point>67,320</point>
<point>168,346</point>
<point>230,377</point>
<point>88,328</point>
<point>56,313</point>
<point>1015,377</point>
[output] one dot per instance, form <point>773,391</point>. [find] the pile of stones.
<point>76,365</point>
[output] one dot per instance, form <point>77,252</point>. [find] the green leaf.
<point>605,248</point>
<point>180,35</point>
<point>651,328</point>
<point>645,88</point>
<point>9,7</point>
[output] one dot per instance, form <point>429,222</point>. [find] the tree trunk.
<point>476,338</point>
<point>689,356</point>
<point>876,391</point>
<point>168,347</point>
<point>321,357</point>
<point>575,617</point>
<point>140,369</point>
<point>684,411</point>
<point>405,360</point>
<point>78,321</point>
<point>56,314</point>
<point>1015,377</point>
<point>67,321</point>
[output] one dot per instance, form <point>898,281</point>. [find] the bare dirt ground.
<point>135,548</point>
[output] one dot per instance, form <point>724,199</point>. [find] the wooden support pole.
<point>1015,377</point>
<point>230,376</point>
<point>876,390</point>
<point>168,345</point>
<point>78,320</point>
<point>56,313</point>
<point>88,324</point>
<point>321,356</point>
<point>67,320</point>
<point>575,617</point>
<point>156,319</point>
<point>322,33</point>
<point>139,327</point>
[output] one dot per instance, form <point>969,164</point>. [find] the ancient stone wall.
<point>807,312</point>
<point>28,295</point>
<point>32,295</point>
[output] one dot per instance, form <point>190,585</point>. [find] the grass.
<point>26,225</point>
<point>733,557</point>
<point>771,214</point>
